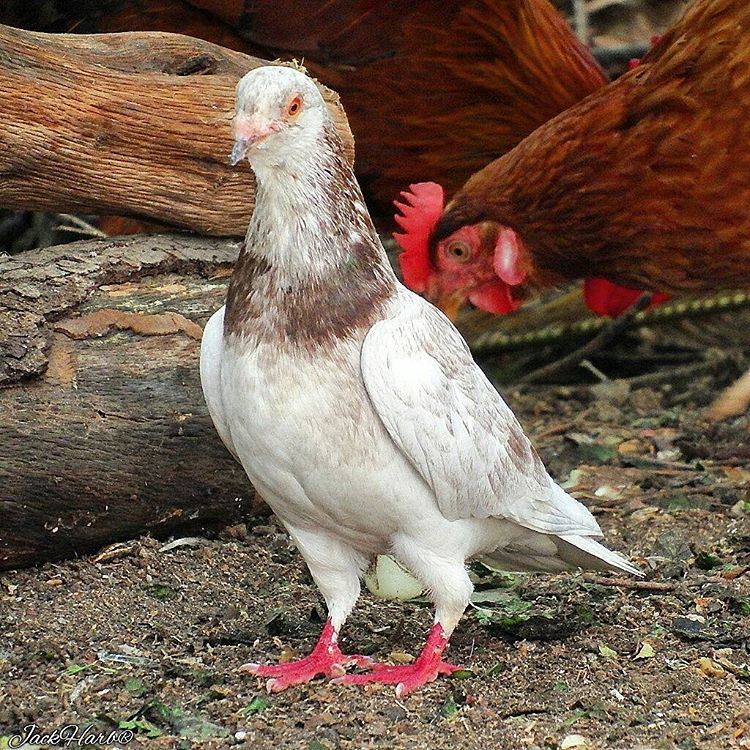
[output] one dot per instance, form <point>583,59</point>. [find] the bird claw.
<point>325,659</point>
<point>282,676</point>
<point>250,668</point>
<point>407,678</point>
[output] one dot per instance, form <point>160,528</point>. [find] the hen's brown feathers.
<point>456,95</point>
<point>647,181</point>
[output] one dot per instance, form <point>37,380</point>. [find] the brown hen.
<point>646,182</point>
<point>433,88</point>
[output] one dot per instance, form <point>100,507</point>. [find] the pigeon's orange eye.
<point>294,107</point>
<point>458,250</point>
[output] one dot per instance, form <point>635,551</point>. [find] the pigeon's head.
<point>278,114</point>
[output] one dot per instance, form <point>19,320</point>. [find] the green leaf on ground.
<point>706,561</point>
<point>505,599</point>
<point>449,707</point>
<point>141,726</point>
<point>160,591</point>
<point>74,669</point>
<point>496,668</point>
<point>187,725</point>
<point>135,686</point>
<point>257,704</point>
<point>575,716</point>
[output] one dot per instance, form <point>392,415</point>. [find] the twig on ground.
<point>677,374</point>
<point>647,462</point>
<point>733,400</point>
<point>649,496</point>
<point>530,711</point>
<point>629,583</point>
<point>564,427</point>
<point>604,337</point>
<point>79,226</point>
<point>595,371</point>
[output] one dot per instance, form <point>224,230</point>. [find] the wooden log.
<point>135,124</point>
<point>103,430</point>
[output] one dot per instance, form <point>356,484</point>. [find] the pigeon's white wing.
<point>455,429</point>
<point>212,351</point>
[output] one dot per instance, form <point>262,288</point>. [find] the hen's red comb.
<point>418,214</point>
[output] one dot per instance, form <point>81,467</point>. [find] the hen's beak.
<point>247,132</point>
<point>449,302</point>
<point>451,305</point>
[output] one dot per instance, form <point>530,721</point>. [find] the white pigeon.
<point>355,406</point>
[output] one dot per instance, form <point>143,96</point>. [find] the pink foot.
<point>426,668</point>
<point>325,659</point>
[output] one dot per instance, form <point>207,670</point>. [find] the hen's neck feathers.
<point>312,267</point>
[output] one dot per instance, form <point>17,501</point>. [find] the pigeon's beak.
<point>241,146</point>
<point>248,131</point>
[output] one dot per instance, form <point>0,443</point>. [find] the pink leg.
<point>427,666</point>
<point>325,659</point>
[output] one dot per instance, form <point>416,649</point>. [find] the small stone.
<point>646,401</point>
<point>238,532</point>
<point>710,668</point>
<point>611,391</point>
<point>394,713</point>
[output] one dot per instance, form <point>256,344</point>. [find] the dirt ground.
<point>148,639</point>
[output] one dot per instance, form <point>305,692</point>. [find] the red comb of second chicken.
<point>418,214</point>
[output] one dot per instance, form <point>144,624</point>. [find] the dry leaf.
<point>711,668</point>
<point>574,741</point>
<point>401,657</point>
<point>646,651</point>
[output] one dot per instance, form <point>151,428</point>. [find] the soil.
<point>149,639</point>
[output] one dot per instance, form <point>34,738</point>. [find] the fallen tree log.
<point>103,430</point>
<point>133,124</point>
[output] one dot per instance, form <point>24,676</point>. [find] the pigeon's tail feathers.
<point>585,552</point>
<point>552,553</point>
<point>519,562</point>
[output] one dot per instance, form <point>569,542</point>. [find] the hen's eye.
<point>294,107</point>
<point>458,250</point>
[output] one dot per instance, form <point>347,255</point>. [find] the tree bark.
<point>134,124</point>
<point>103,430</point>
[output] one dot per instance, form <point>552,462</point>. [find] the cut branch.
<point>103,430</point>
<point>134,124</point>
